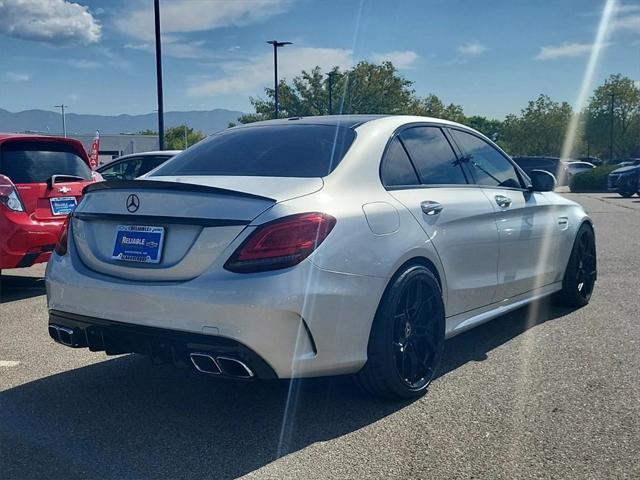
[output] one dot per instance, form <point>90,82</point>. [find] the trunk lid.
<point>193,223</point>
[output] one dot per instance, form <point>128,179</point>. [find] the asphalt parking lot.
<point>539,393</point>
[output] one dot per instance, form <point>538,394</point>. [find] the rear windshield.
<point>37,162</point>
<point>266,151</point>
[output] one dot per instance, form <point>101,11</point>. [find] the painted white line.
<point>9,363</point>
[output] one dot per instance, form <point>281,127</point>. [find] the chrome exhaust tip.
<point>205,363</point>
<point>62,335</point>
<point>233,367</point>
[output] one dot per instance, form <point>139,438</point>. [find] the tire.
<point>580,275</point>
<point>407,337</point>
<point>626,194</point>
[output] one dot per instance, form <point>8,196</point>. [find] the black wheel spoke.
<point>415,339</point>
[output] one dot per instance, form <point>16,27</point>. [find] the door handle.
<point>431,208</point>
<point>503,201</point>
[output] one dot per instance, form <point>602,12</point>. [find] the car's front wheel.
<point>580,275</point>
<point>626,194</point>
<point>407,336</point>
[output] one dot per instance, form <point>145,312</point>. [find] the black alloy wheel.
<point>407,336</point>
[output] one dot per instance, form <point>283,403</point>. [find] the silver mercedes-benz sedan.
<point>316,246</point>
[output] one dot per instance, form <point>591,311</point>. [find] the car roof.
<point>348,121</point>
<point>45,138</point>
<point>152,153</point>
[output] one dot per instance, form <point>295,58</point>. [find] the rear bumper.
<point>24,242</point>
<point>302,321</point>
<point>162,345</point>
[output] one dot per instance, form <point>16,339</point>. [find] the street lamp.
<point>276,44</point>
<point>331,75</point>
<point>64,123</point>
<point>156,11</point>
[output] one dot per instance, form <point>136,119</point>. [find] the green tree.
<point>626,118</point>
<point>174,137</point>
<point>488,126</point>
<point>538,130</point>
<point>365,88</point>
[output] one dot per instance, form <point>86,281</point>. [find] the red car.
<point>41,181</point>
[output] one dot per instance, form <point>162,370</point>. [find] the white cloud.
<point>17,77</point>
<point>627,23</point>
<point>399,58</point>
<point>251,75</point>
<point>52,21</point>
<point>181,16</point>
<point>83,64</point>
<point>175,47</point>
<point>472,49</point>
<point>565,50</point>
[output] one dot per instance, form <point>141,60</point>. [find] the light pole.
<point>276,44</point>
<point>612,95</point>
<point>330,75</point>
<point>186,145</point>
<point>156,10</point>
<point>64,122</point>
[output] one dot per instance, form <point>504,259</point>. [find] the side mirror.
<point>542,181</point>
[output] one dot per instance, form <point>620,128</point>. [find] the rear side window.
<point>488,165</point>
<point>396,166</point>
<point>433,157</point>
<point>267,150</point>
<point>37,162</point>
<point>151,162</point>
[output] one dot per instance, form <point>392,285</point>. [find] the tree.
<point>538,130</point>
<point>487,126</point>
<point>626,118</point>
<point>365,88</point>
<point>174,137</point>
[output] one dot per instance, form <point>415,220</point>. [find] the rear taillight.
<point>61,245</point>
<point>281,243</point>
<point>9,195</point>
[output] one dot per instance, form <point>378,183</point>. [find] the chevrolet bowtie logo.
<point>133,203</point>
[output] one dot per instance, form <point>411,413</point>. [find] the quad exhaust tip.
<point>62,335</point>
<point>231,367</point>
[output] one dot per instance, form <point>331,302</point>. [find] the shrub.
<point>594,180</point>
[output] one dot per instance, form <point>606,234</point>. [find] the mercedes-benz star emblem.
<point>133,203</point>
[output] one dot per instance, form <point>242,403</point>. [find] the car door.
<point>527,223</point>
<point>421,170</point>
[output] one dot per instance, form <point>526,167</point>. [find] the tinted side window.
<point>125,170</point>
<point>149,163</point>
<point>489,166</point>
<point>396,166</point>
<point>433,157</point>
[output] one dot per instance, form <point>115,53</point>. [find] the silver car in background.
<point>317,246</point>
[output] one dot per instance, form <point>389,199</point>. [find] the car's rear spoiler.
<point>174,186</point>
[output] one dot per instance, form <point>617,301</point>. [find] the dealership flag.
<point>95,147</point>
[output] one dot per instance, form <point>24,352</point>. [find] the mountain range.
<point>44,121</point>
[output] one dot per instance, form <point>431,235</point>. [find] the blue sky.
<point>490,56</point>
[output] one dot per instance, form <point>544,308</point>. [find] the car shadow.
<point>124,417</point>
<point>15,287</point>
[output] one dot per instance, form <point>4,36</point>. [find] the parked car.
<point>41,181</point>
<point>626,179</point>
<point>593,160</point>
<point>316,246</point>
<point>135,165</point>
<point>575,167</point>
<point>553,165</point>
